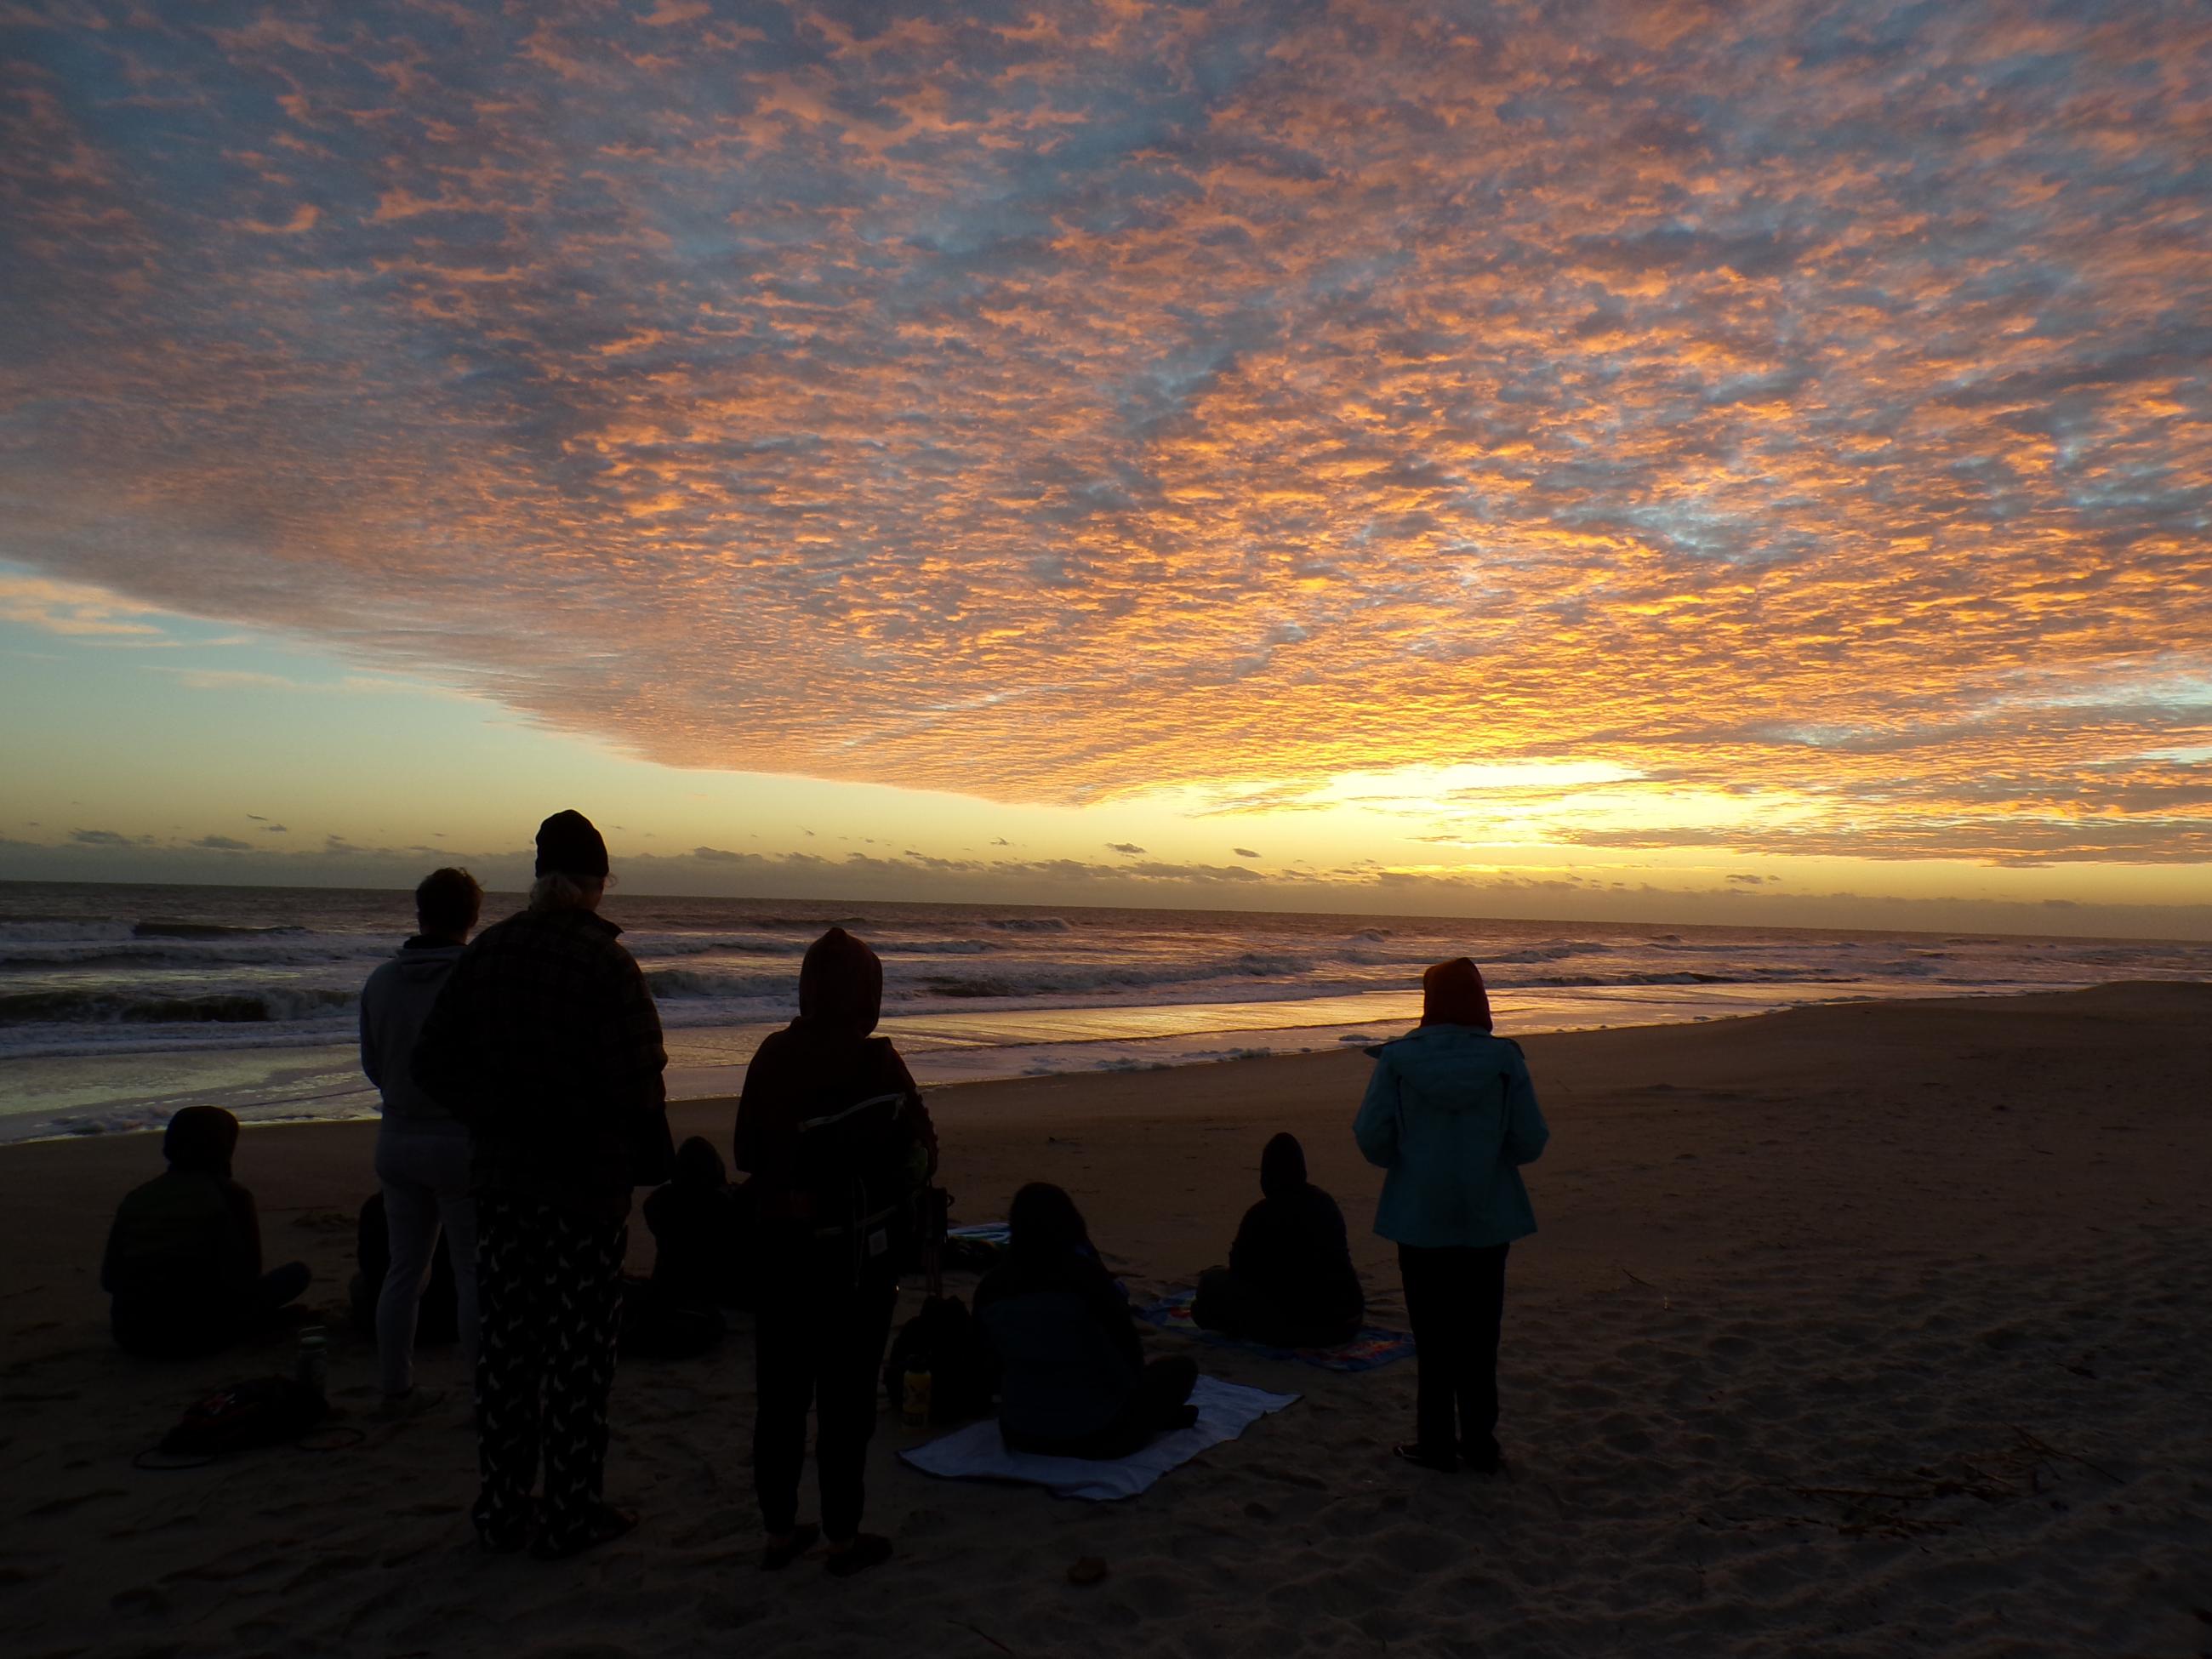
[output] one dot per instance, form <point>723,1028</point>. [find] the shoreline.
<point>942,1063</point>
<point>1951,1251</point>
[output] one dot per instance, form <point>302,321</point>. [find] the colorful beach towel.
<point>987,1232</point>
<point>1373,1348</point>
<point>1225,1410</point>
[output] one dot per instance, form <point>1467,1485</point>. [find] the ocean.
<point>119,1003</point>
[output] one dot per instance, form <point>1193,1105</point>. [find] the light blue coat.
<point>1451,1114</point>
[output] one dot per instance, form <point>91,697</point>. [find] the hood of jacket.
<point>841,987</point>
<point>1437,1057</point>
<point>1282,1166</point>
<point>422,961</point>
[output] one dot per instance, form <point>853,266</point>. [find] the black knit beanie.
<point>568,845</point>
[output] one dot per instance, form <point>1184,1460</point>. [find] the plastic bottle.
<point>311,1369</point>
<point>915,1404</point>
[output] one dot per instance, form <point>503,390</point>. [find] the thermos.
<point>312,1368</point>
<point>915,1404</point>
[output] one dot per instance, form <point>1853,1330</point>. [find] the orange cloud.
<point>1111,401</point>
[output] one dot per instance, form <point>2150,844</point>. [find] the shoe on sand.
<point>1422,1458</point>
<point>866,1551</point>
<point>1481,1457</point>
<point>776,1557</point>
<point>398,1407</point>
<point>602,1525</point>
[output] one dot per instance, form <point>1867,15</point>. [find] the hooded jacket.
<point>1058,1326</point>
<point>1451,1114</point>
<point>394,1003</point>
<point>827,1104</point>
<point>1291,1247</point>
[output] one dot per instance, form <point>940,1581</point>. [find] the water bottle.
<point>311,1369</point>
<point>915,1395</point>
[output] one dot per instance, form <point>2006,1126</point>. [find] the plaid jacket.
<point>546,1044</point>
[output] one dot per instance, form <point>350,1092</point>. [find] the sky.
<point>1733,462</point>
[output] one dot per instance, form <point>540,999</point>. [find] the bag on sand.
<point>259,1412</point>
<point>944,1340</point>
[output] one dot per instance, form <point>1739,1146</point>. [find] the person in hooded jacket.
<point>840,1147</point>
<point>422,1148</point>
<point>184,1254</point>
<point>1073,1380</point>
<point>1451,1116</point>
<point>1290,1282</point>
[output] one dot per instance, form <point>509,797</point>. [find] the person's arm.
<point>1375,1128</point>
<point>1526,1132</point>
<point>1112,1310</point>
<point>1242,1251</point>
<point>444,1064</point>
<point>765,1142</point>
<point>242,1249</point>
<point>925,1132</point>
<point>641,1056</point>
<point>368,1059</point>
<point>111,1277</point>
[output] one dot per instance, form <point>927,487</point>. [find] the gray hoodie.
<point>393,1005</point>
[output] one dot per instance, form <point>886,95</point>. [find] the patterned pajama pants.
<point>550,1289</point>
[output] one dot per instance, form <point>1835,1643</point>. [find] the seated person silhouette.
<point>701,1232</point>
<point>1290,1282</point>
<point>184,1254</point>
<point>1074,1382</point>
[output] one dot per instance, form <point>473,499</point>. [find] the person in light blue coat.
<point>1452,1116</point>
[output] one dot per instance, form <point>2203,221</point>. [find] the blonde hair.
<point>555,891</point>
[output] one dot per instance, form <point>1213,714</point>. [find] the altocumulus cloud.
<point>1113,397</point>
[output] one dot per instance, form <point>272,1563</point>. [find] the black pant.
<point>550,1288</point>
<point>1156,1405</point>
<point>818,1338</point>
<point>1455,1300</point>
<point>181,1326</point>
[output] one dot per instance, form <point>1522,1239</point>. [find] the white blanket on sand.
<point>1225,1410</point>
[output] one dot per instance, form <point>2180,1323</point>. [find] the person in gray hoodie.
<point>1452,1116</point>
<point>422,1149</point>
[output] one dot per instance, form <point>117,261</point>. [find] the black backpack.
<point>944,1340</point>
<point>853,1157</point>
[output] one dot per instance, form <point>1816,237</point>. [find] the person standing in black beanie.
<point>546,1044</point>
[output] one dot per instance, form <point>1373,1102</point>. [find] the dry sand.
<point>1870,1329</point>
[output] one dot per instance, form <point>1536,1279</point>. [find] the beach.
<point>1874,1329</point>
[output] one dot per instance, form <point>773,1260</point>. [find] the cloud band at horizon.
<point>1790,425</point>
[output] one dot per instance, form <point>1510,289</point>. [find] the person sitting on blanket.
<point>1074,1382</point>
<point>184,1255</point>
<point>1290,1282</point>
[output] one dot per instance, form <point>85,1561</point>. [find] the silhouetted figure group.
<point>523,1103</point>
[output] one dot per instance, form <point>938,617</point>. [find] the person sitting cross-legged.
<point>184,1254</point>
<point>1290,1282</point>
<point>1074,1379</point>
